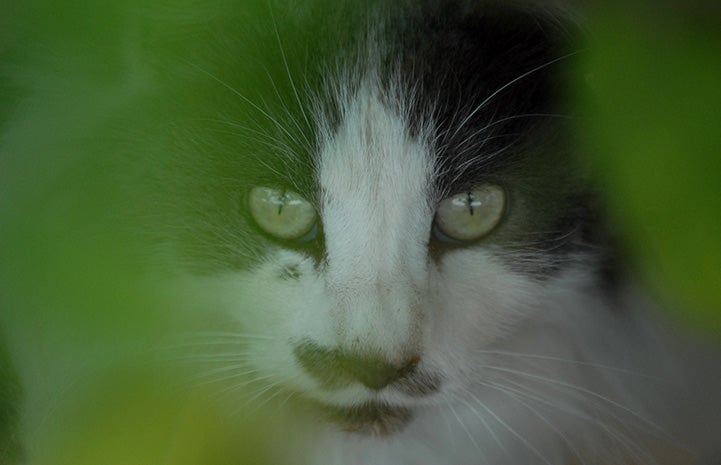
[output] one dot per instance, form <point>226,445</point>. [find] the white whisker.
<point>563,360</point>
<point>288,73</point>
<point>205,380</point>
<point>212,335</point>
<point>518,399</point>
<point>486,425</point>
<point>508,428</point>
<point>495,122</point>
<point>254,105</point>
<point>579,389</point>
<point>464,427</point>
<point>637,451</point>
<point>481,105</point>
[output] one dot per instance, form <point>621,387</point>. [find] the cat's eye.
<point>282,214</point>
<point>470,215</point>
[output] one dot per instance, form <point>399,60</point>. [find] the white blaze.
<point>375,179</point>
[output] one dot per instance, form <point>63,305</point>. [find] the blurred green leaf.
<point>137,417</point>
<point>653,103</point>
<point>9,406</point>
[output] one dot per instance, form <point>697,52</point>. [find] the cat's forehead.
<point>476,90</point>
<point>476,83</point>
<point>375,174</point>
<point>373,149</point>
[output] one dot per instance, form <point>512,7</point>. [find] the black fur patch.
<point>492,79</point>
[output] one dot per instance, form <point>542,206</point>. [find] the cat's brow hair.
<point>491,116</point>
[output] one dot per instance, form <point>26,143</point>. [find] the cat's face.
<point>430,212</point>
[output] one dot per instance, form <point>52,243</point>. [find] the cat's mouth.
<point>372,418</point>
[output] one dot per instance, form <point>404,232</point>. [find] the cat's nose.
<point>335,368</point>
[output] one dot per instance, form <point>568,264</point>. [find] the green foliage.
<point>650,85</point>
<point>137,416</point>
<point>9,409</point>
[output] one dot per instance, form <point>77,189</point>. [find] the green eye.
<point>471,215</point>
<point>283,214</point>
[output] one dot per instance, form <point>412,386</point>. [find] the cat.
<point>380,214</point>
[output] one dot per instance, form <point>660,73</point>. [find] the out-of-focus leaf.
<point>653,103</point>
<point>9,405</point>
<point>139,418</point>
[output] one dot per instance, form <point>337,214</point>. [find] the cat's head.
<point>381,215</point>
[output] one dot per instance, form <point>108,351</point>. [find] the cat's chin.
<point>372,418</point>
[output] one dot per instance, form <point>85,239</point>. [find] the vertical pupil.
<point>470,202</point>
<point>280,200</point>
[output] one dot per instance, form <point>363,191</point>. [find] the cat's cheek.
<point>263,307</point>
<point>477,294</point>
<point>284,310</point>
<point>477,302</point>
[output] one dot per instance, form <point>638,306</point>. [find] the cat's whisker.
<point>277,149</point>
<point>539,415</point>
<point>533,395</point>
<point>205,379</point>
<point>275,146</point>
<point>637,453</point>
<point>291,81</point>
<point>236,387</point>
<point>481,160</point>
<point>225,334</point>
<point>289,115</point>
<point>491,431</point>
<point>286,131</point>
<point>221,342</point>
<point>278,125</point>
<point>476,150</point>
<point>615,434</point>
<point>495,122</point>
<point>579,389</point>
<point>460,170</point>
<point>246,131</point>
<point>225,368</point>
<point>508,428</point>
<point>268,400</point>
<point>277,387</point>
<point>465,147</point>
<point>493,95</point>
<point>449,425</point>
<point>208,358</point>
<point>550,358</point>
<point>209,341</point>
<point>288,397</point>
<point>257,395</point>
<point>465,428</point>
